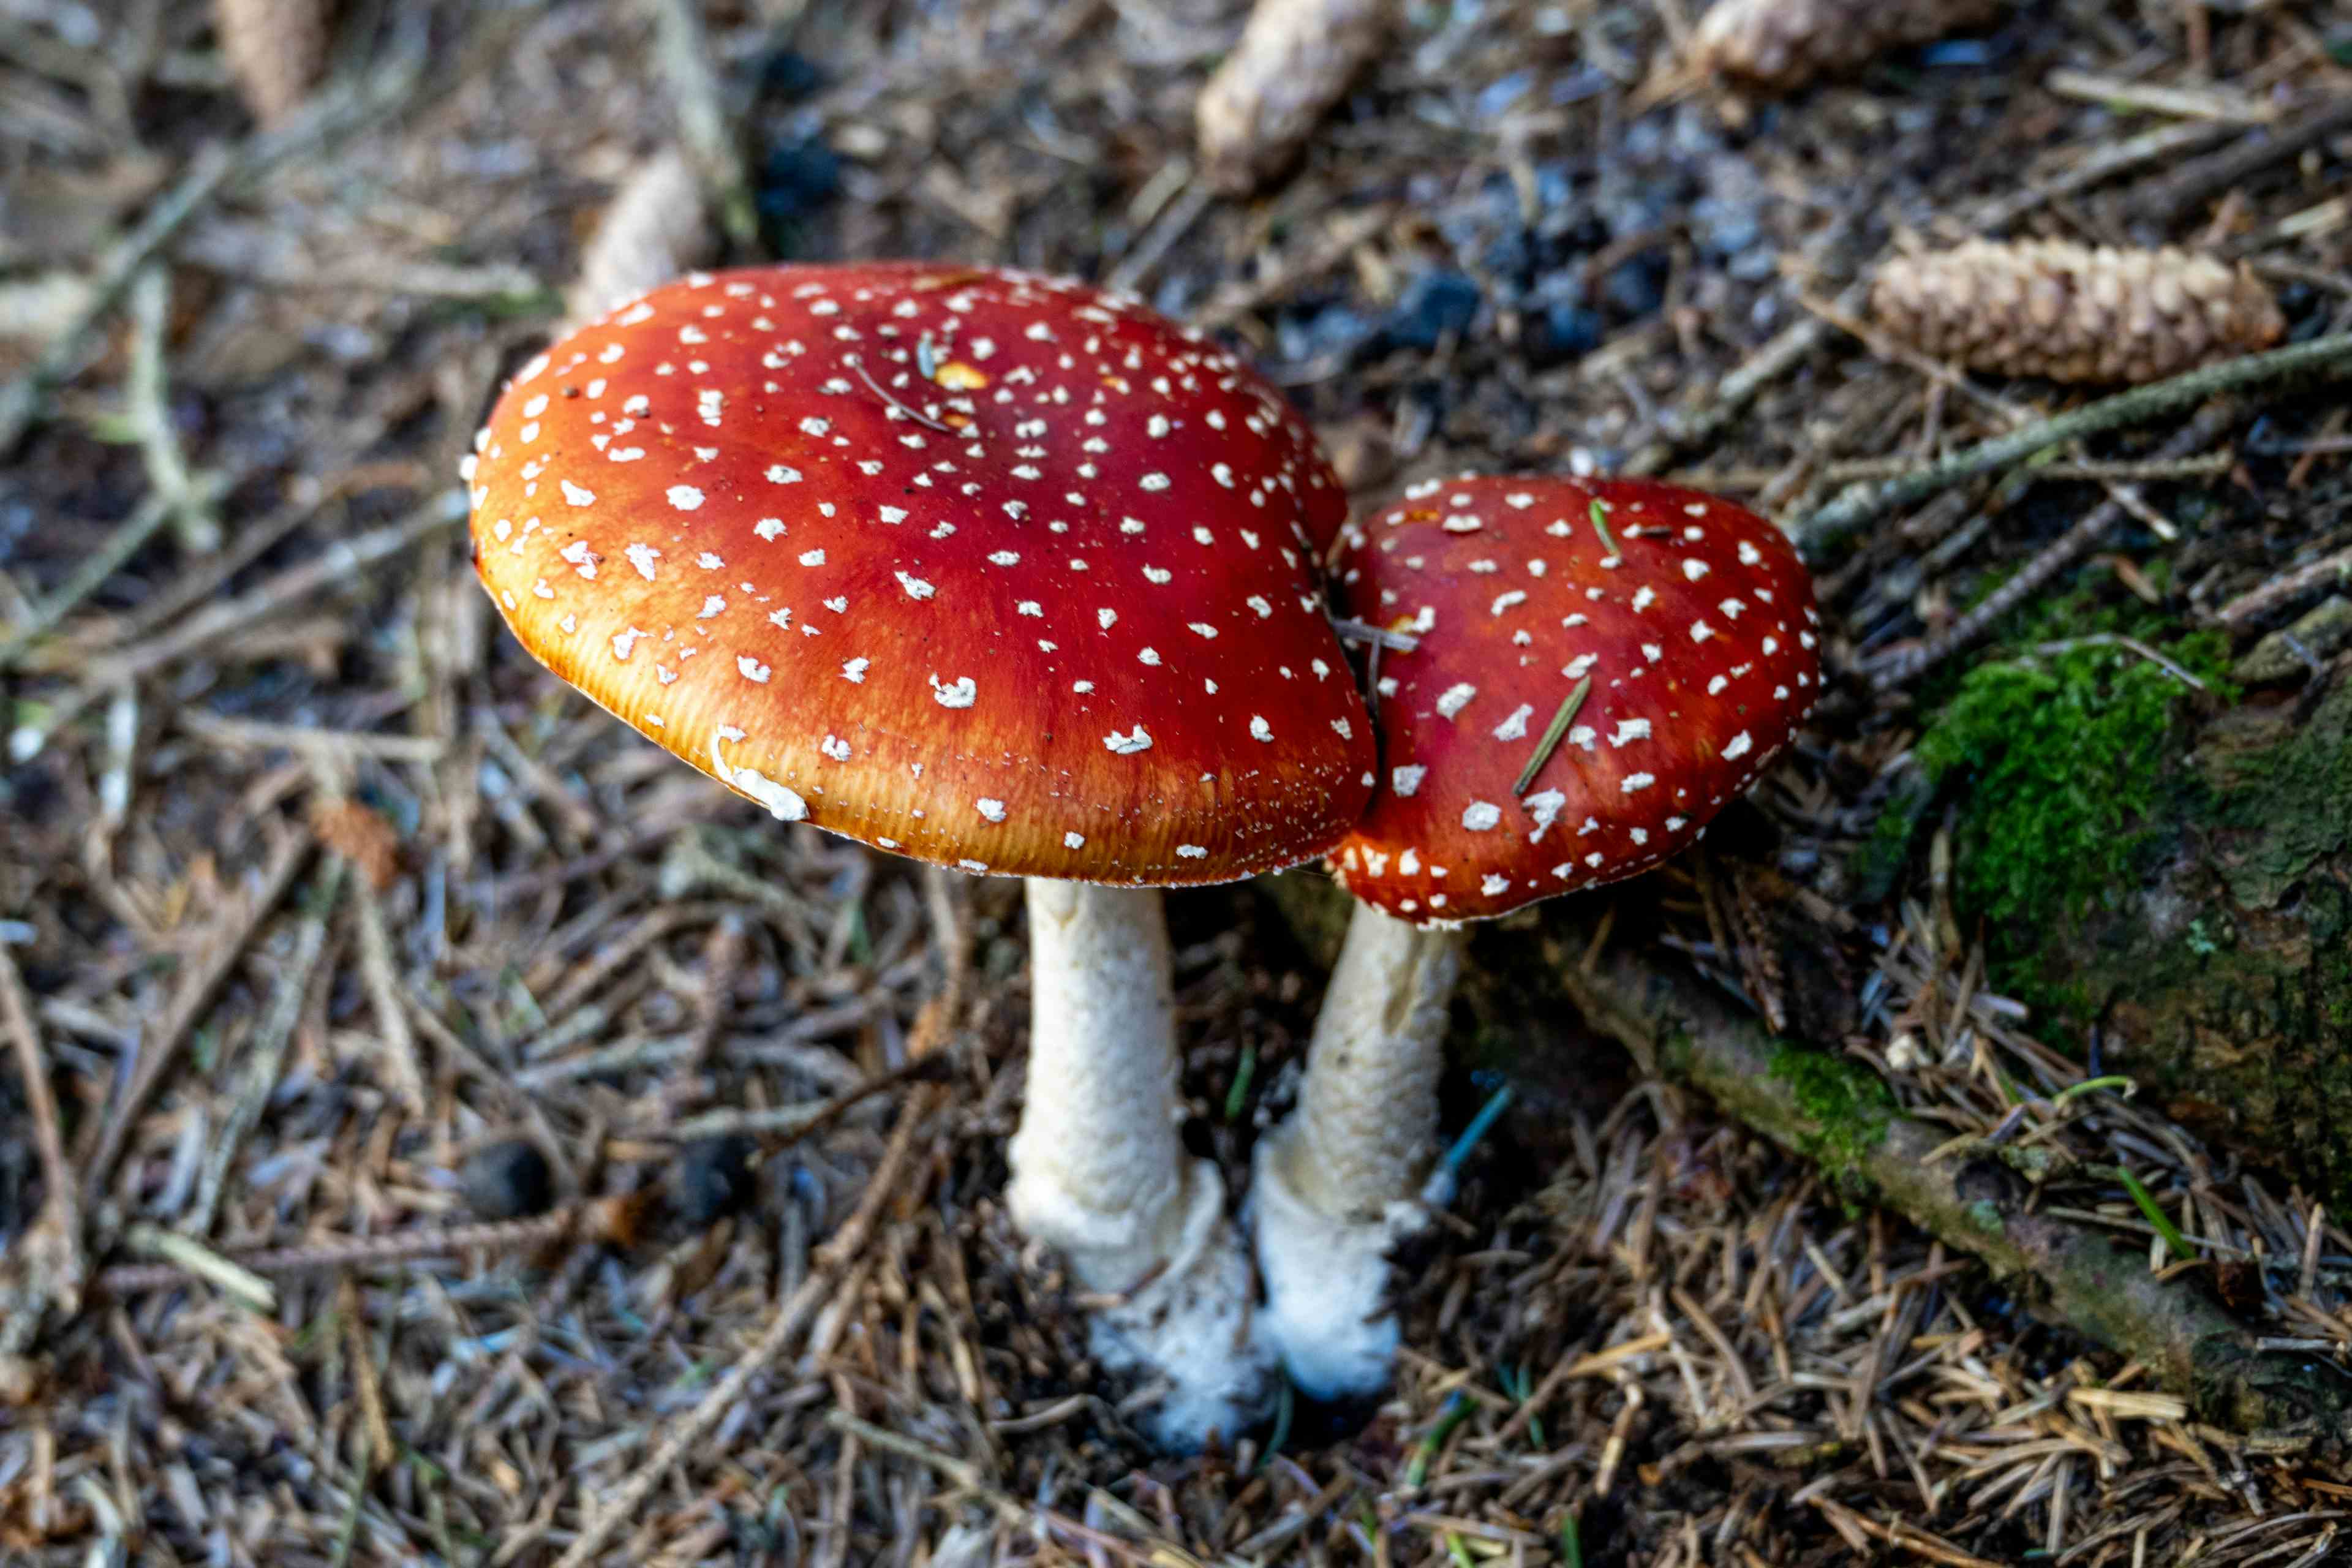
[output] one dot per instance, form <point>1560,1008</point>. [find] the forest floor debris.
<point>1645,1335</point>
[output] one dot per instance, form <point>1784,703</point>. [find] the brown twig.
<point>56,1259</point>
<point>341,562</point>
<point>1702,418</point>
<point>1901,665</point>
<point>1862,504</point>
<point>404,1070</point>
<point>2193,183</point>
<point>798,1122</point>
<point>2332,570</point>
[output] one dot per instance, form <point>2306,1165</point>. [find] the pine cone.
<point>274,49</point>
<point>1784,44</point>
<point>2070,312</point>
<point>656,227</point>
<point>1295,59</point>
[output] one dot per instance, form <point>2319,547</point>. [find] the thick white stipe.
<point>1340,1181</point>
<point>1099,1171</point>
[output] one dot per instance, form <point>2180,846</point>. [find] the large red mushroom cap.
<point>992,570</point>
<point>1686,624</point>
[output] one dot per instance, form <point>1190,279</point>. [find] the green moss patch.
<point>1847,1105</point>
<point>2065,759</point>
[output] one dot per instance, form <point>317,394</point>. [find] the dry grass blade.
<point>53,1255</point>
<point>190,998</point>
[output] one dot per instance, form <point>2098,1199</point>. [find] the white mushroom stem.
<point>1099,1171</point>
<point>1341,1180</point>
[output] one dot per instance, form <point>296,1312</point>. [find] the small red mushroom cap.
<point>992,570</point>
<point>1691,620</point>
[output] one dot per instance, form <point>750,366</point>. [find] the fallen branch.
<point>1677,1027</point>
<point>2099,1289</point>
<point>2191,185</point>
<point>1902,665</point>
<point>1859,505</point>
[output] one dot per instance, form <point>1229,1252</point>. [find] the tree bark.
<point>2223,982</point>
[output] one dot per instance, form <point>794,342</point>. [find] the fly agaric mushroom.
<point>991,570</point>
<point>1598,668</point>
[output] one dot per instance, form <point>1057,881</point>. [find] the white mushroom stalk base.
<point>1100,1173</point>
<point>1340,1181</point>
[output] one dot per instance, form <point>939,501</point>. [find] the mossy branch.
<point>1841,1115</point>
<point>2093,1283</point>
<point>1862,504</point>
